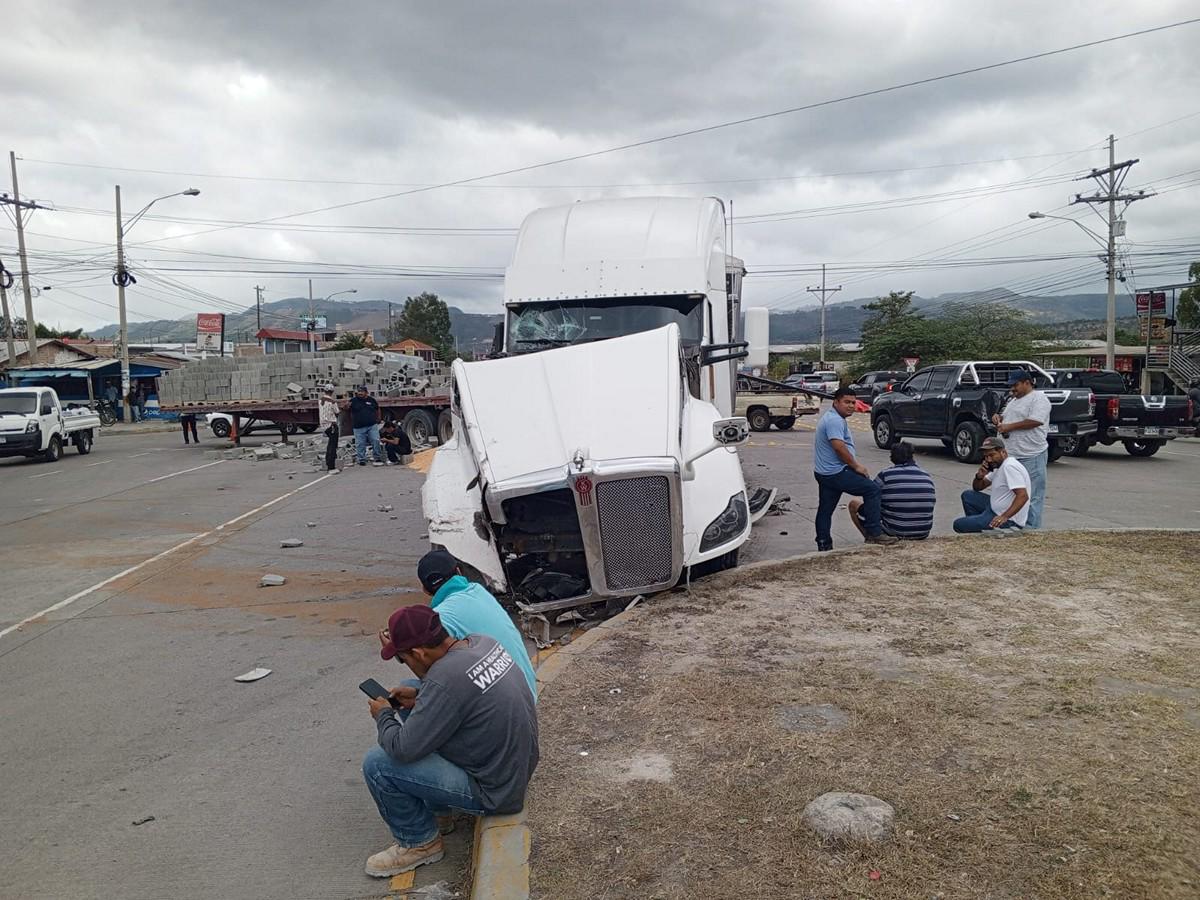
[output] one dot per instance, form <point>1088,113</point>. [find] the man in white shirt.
<point>327,416</point>
<point>1024,426</point>
<point>1008,505</point>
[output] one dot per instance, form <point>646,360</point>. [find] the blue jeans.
<point>977,514</point>
<point>829,491</point>
<point>1036,467</point>
<point>410,795</point>
<point>361,436</point>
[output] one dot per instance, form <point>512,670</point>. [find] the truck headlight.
<point>728,525</point>
<point>31,427</point>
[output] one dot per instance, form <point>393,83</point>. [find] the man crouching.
<point>466,738</point>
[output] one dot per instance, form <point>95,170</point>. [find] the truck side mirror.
<point>47,409</point>
<point>711,354</point>
<point>731,432</point>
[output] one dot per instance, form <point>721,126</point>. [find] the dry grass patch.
<point>1028,706</point>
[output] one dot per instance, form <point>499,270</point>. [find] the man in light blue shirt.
<point>838,472</point>
<point>468,608</point>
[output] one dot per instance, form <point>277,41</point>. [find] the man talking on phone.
<point>1008,505</point>
<point>468,740</point>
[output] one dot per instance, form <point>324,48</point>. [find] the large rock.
<point>858,817</point>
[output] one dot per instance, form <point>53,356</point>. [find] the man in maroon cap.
<point>469,740</point>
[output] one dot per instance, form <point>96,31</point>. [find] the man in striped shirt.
<point>906,497</point>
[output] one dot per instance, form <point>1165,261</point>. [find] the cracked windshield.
<point>536,326</point>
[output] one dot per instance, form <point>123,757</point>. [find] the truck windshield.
<point>23,403</point>
<point>538,326</point>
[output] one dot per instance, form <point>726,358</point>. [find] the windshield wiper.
<point>550,342</point>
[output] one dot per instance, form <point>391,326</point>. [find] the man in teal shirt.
<point>468,608</point>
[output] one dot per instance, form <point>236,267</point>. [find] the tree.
<point>1187,310</point>
<point>350,340</point>
<point>425,318</point>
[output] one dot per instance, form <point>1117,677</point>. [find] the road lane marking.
<point>184,471</point>
<point>47,474</point>
<point>61,604</point>
<point>91,465</point>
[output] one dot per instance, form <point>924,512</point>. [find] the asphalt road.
<point>120,704</point>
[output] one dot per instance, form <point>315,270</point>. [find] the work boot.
<point>396,859</point>
<point>884,540</point>
<point>446,824</point>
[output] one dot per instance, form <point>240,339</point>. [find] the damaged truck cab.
<point>597,457</point>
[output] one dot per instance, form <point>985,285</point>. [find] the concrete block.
<point>272,581</point>
<point>291,543</point>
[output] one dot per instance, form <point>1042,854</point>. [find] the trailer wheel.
<point>785,423</point>
<point>445,426</point>
<point>53,453</point>
<point>83,443</point>
<point>220,428</point>
<point>760,419</point>
<point>308,429</point>
<point>419,426</point>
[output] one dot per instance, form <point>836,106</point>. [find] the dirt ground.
<point>1029,706</point>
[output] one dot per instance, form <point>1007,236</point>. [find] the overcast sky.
<point>274,108</point>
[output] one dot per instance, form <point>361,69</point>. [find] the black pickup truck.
<point>955,403</point>
<point>1143,424</point>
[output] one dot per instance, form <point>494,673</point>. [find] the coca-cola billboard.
<point>210,331</point>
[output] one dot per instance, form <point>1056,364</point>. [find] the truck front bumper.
<point>20,443</point>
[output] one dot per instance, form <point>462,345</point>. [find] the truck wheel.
<point>53,453</point>
<point>83,443</point>
<point>308,429</point>
<point>884,436</point>
<point>785,423</point>
<point>1073,445</point>
<point>445,427</point>
<point>967,438</point>
<point>759,418</point>
<point>1143,448</point>
<point>419,426</point>
<point>220,428</point>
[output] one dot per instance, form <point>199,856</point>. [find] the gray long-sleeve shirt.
<point>475,708</point>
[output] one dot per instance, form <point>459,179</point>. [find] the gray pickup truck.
<point>955,402</point>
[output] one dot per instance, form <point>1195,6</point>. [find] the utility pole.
<point>5,280</point>
<point>1109,183</point>
<point>258,308</point>
<point>17,205</point>
<point>391,323</point>
<point>121,278</point>
<point>824,292</point>
<point>312,320</point>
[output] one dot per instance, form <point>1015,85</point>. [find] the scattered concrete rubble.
<point>291,543</point>
<point>858,817</point>
<point>272,581</point>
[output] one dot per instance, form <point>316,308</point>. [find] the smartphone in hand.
<point>377,691</point>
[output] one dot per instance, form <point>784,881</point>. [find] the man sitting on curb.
<point>1008,506</point>
<point>470,741</point>
<point>468,608</point>
<point>906,498</point>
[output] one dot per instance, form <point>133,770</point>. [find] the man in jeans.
<point>327,417</point>
<point>838,472</point>
<point>469,739</point>
<point>1024,426</point>
<point>1008,505</point>
<point>364,418</point>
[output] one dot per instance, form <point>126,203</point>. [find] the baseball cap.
<point>411,626</point>
<point>435,569</point>
<point>1019,375</point>
<point>992,443</point>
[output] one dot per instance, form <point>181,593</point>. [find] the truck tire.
<point>785,423</point>
<point>759,418</point>
<point>220,428</point>
<point>83,443</point>
<point>1143,448</point>
<point>445,427</point>
<point>885,437</point>
<point>967,438</point>
<point>419,426</point>
<point>1073,445</point>
<point>308,429</point>
<point>53,452</point>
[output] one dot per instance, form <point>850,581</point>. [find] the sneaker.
<point>362,462</point>
<point>884,540</point>
<point>824,548</point>
<point>388,462</point>
<point>396,859</point>
<point>377,463</point>
<point>334,471</point>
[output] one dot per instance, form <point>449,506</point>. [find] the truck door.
<point>934,408</point>
<point>906,406</point>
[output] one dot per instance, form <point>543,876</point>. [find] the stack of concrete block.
<point>300,376</point>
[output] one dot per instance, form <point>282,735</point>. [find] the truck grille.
<point>635,529</point>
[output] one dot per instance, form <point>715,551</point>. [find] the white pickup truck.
<point>34,423</point>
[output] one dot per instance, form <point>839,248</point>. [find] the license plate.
<point>1151,431</point>
<point>3,440</point>
<point>1053,429</point>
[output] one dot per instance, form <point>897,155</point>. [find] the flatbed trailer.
<point>422,418</point>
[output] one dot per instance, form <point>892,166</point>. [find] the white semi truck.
<point>597,457</point>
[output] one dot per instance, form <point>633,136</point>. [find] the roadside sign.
<point>1158,327</point>
<point>313,323</point>
<point>210,331</point>
<point>1153,302</point>
<point>910,362</point>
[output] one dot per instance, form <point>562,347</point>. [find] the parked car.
<point>34,423</point>
<point>765,403</point>
<point>955,402</point>
<point>1143,424</point>
<point>221,425</point>
<point>872,384</point>
<point>820,381</point>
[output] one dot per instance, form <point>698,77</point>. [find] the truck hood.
<point>612,399</point>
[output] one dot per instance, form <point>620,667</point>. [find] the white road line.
<point>92,465</point>
<point>48,474</point>
<point>184,472</point>
<point>107,581</point>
